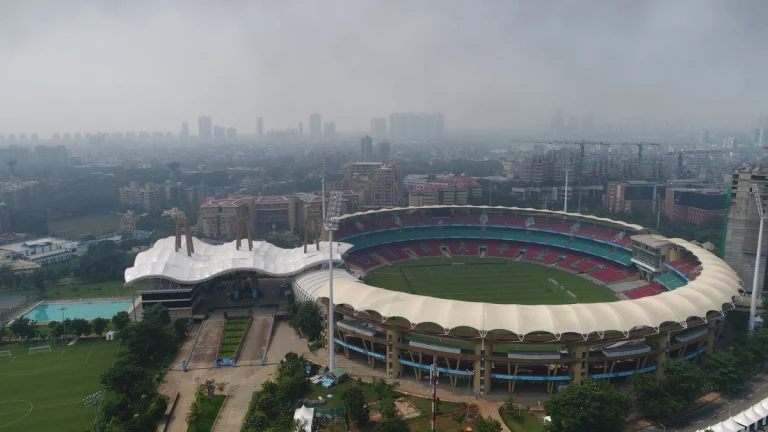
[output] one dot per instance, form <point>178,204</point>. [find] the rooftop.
<point>268,199</point>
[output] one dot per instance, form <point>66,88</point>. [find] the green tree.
<point>58,331</point>
<point>684,379</point>
<point>723,370</point>
<point>383,389</point>
<point>99,325</point>
<point>195,414</point>
<point>392,425</point>
<point>460,418</point>
<point>80,326</point>
<point>23,327</point>
<point>180,326</point>
<point>147,342</point>
<point>651,398</point>
<point>157,314</point>
<point>308,319</point>
<point>121,320</point>
<point>127,379</point>
<point>487,424</point>
<point>356,406</point>
<point>593,406</point>
<point>387,408</point>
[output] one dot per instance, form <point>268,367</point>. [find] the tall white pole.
<point>331,332</point>
<point>753,304</point>
<point>322,179</point>
<point>565,207</point>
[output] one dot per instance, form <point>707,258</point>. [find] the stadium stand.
<point>646,291</point>
<point>671,280</point>
<point>576,262</point>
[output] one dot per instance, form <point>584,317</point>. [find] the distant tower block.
<point>12,168</point>
<point>183,224</point>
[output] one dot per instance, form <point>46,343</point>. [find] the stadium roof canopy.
<point>209,261</point>
<point>491,208</point>
<point>716,286</point>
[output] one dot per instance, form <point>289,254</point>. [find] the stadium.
<point>502,297</point>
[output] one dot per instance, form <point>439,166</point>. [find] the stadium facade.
<point>672,294</point>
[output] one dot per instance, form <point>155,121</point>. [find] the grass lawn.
<point>76,227</point>
<point>524,423</point>
<point>211,409</point>
<point>87,290</point>
<point>233,336</point>
<point>507,282</point>
<point>45,391</point>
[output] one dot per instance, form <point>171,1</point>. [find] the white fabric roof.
<point>717,284</point>
<point>551,212</point>
<point>208,261</point>
<point>305,415</point>
<point>743,420</point>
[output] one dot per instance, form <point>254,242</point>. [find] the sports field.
<point>45,391</point>
<point>488,280</point>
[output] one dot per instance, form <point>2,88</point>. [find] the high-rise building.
<point>217,218</point>
<point>704,136</point>
<point>315,126</point>
<point>53,155</point>
<point>416,127</point>
<point>366,149</point>
<point>204,128</point>
<point>231,134</point>
<point>383,151</point>
<point>756,135</point>
<point>67,136</point>
<point>379,128</point>
<point>219,133</point>
<point>260,127</point>
<point>184,134</point>
<point>329,130</point>
<point>301,129</point>
<point>5,219</point>
<point>763,141</point>
<point>379,185</point>
<point>145,196</point>
<point>743,224</point>
<point>694,205</point>
<point>632,196</point>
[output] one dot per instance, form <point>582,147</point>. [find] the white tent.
<point>305,415</point>
<point>110,335</point>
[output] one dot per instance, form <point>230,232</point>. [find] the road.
<point>755,391</point>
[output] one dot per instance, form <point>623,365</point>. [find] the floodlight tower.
<point>331,224</point>
<point>565,206</point>
<point>94,401</point>
<point>322,185</point>
<point>761,213</point>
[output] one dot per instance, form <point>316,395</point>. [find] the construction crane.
<point>680,157</point>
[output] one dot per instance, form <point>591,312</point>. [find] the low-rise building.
<point>694,205</point>
<point>440,190</point>
<point>217,218</point>
<point>632,196</point>
<point>18,266</point>
<point>46,250</point>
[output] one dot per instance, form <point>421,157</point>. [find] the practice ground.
<point>488,280</point>
<point>75,227</point>
<point>45,391</point>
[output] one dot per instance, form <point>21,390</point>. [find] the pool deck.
<point>136,303</point>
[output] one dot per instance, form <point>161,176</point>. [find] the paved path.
<point>255,344</point>
<point>186,347</point>
<point>207,345</point>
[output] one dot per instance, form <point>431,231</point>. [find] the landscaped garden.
<point>232,339</point>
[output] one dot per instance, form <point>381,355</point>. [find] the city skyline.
<point>497,67</point>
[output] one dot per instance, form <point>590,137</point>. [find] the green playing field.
<point>488,280</point>
<point>44,391</point>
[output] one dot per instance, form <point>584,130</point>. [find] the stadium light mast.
<point>761,213</point>
<point>94,400</point>
<point>331,224</point>
<point>565,206</point>
<point>322,184</point>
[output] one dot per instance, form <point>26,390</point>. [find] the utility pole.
<point>761,213</point>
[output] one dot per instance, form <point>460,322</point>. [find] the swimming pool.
<point>86,310</point>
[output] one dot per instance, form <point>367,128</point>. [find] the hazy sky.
<point>68,66</point>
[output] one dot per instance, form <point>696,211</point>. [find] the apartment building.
<point>145,196</point>
<point>217,218</point>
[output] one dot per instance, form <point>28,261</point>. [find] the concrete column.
<point>661,342</point>
<point>394,368</point>
<point>482,369</point>
<point>576,368</point>
<point>711,336</point>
